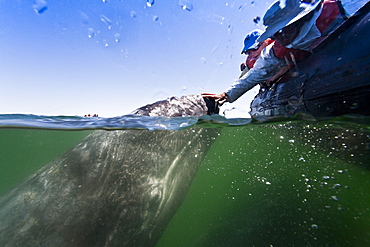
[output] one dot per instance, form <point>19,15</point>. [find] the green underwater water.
<point>24,151</point>
<point>272,184</point>
<point>291,184</point>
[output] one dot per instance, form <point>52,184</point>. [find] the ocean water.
<point>287,182</point>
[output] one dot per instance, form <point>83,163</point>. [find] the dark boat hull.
<point>333,81</point>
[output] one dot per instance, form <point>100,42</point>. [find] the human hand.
<point>220,98</point>
<point>269,82</point>
<point>242,66</point>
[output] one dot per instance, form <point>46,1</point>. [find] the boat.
<point>333,81</point>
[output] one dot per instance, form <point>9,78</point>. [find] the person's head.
<point>284,18</point>
<point>250,41</point>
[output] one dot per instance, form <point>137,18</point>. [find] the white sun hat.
<point>282,13</point>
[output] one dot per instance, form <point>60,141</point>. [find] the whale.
<point>113,188</point>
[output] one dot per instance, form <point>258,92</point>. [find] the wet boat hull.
<point>333,81</point>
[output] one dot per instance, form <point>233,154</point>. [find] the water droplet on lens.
<point>150,3</point>
<point>40,6</point>
<point>203,60</point>
<point>133,14</point>
<point>117,37</point>
<point>218,19</point>
<point>186,5</point>
<point>230,29</point>
<point>256,19</point>
<point>90,33</point>
<point>106,20</point>
<point>85,18</point>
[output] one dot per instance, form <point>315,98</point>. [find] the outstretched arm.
<point>220,98</point>
<point>266,66</point>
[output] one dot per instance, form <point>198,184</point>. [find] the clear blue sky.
<point>73,57</point>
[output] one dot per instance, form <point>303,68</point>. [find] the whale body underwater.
<point>114,188</point>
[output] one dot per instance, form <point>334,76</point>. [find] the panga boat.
<point>333,81</point>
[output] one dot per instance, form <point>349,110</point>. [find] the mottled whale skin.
<point>114,188</point>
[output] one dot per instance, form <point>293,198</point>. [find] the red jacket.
<point>251,60</point>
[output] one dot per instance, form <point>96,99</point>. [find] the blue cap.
<point>250,41</point>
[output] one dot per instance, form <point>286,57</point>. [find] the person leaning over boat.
<point>296,26</point>
<point>252,49</point>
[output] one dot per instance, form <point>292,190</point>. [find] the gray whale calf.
<point>114,188</point>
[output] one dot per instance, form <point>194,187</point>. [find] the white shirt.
<point>267,65</point>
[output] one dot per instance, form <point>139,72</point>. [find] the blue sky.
<point>73,57</point>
